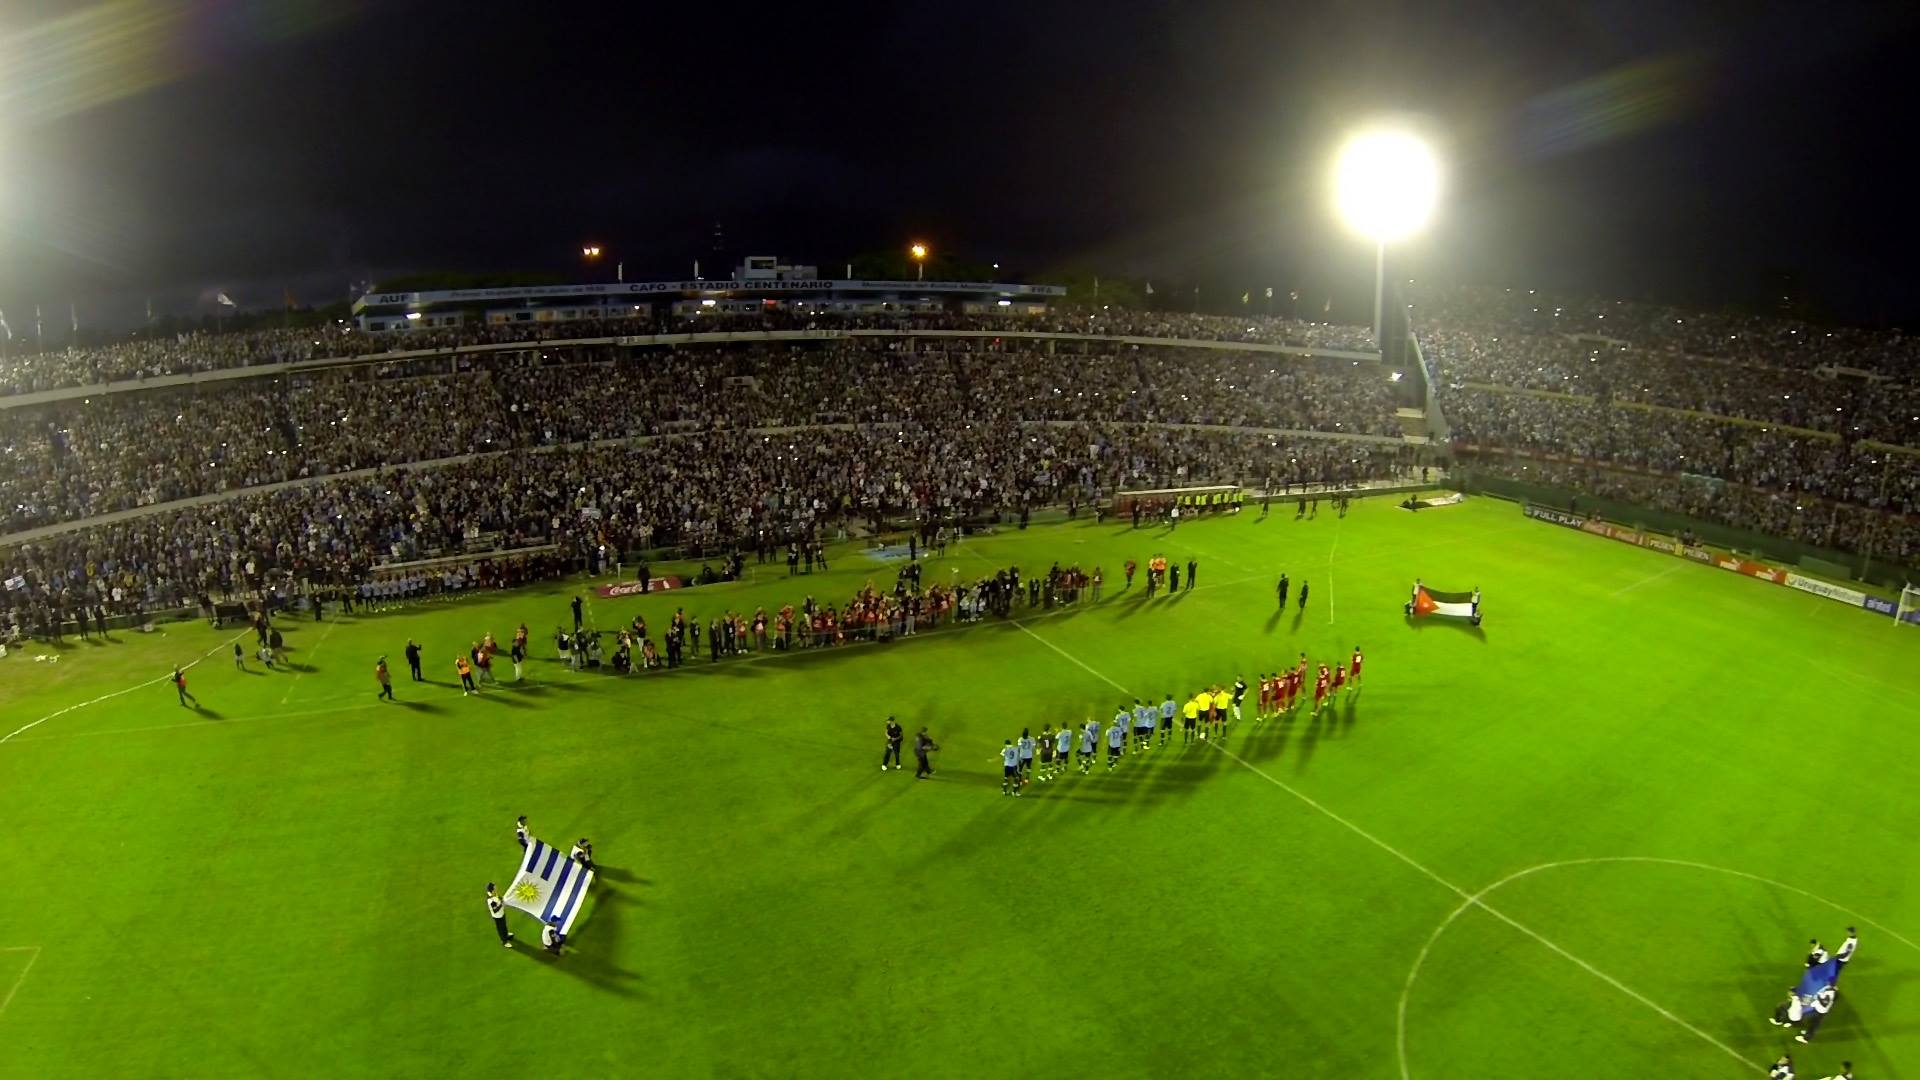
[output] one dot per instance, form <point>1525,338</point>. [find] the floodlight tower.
<point>1385,184</point>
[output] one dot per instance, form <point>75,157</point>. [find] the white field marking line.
<point>1331,548</point>
<point>305,663</point>
<point>22,977</point>
<point>1649,579</point>
<point>64,710</point>
<point>1472,900</point>
<point>1406,991</point>
<point>200,723</point>
<point>1073,658</point>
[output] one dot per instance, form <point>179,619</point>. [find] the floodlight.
<point>1385,184</point>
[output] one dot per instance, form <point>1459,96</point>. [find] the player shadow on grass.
<point>414,705</point>
<point>542,688</point>
<point>498,698</point>
<point>619,874</point>
<point>206,713</point>
<point>855,815</point>
<point>595,939</point>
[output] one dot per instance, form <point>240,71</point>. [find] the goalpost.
<point>1908,614</point>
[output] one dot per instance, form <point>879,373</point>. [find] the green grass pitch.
<point>1604,830</point>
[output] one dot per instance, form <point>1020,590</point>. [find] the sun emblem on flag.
<point>526,891</point>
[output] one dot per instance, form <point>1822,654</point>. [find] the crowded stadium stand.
<point>1772,426</point>
<point>164,473</point>
<point>761,284</point>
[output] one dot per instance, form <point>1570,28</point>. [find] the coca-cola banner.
<point>634,588</point>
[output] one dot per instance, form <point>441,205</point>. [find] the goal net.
<point>1909,611</point>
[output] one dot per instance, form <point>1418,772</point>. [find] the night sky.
<point>1676,150</point>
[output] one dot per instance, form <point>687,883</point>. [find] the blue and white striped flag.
<point>549,886</point>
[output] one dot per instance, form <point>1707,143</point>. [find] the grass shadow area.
<point>1460,625</point>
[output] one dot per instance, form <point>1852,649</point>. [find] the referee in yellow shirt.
<point>1190,717</point>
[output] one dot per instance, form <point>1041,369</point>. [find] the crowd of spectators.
<point>82,457</point>
<point>1768,340</point>
<point>703,491</point>
<point>25,369</point>
<point>1761,424</point>
<point>1768,424</point>
<point>1879,409</point>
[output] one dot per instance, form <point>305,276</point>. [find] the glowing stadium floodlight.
<point>1386,184</point>
<point>919,253</point>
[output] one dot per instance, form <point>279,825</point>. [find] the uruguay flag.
<point>1818,978</point>
<point>549,886</point>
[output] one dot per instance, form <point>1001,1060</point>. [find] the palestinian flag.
<point>1458,605</point>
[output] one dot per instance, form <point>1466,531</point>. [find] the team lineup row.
<point>1204,715</point>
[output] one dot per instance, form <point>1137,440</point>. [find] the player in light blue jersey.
<point>1168,710</point>
<point>1010,769</point>
<point>1124,721</point>
<point>1026,755</point>
<point>1063,749</point>
<point>1116,739</point>
<point>1142,725</point>
<point>1089,745</point>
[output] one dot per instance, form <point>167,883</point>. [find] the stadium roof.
<point>702,287</point>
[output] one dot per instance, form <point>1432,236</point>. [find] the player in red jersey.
<point>1266,696</point>
<point>1339,678</point>
<point>1353,678</point>
<point>1319,689</point>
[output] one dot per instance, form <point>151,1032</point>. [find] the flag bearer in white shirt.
<point>497,908</point>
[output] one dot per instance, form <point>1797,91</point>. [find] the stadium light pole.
<point>919,253</point>
<point>1385,185</point>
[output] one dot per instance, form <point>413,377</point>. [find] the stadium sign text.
<point>1827,589</point>
<point>1724,560</point>
<point>1558,517</point>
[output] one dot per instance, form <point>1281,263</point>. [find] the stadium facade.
<point>761,283</point>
